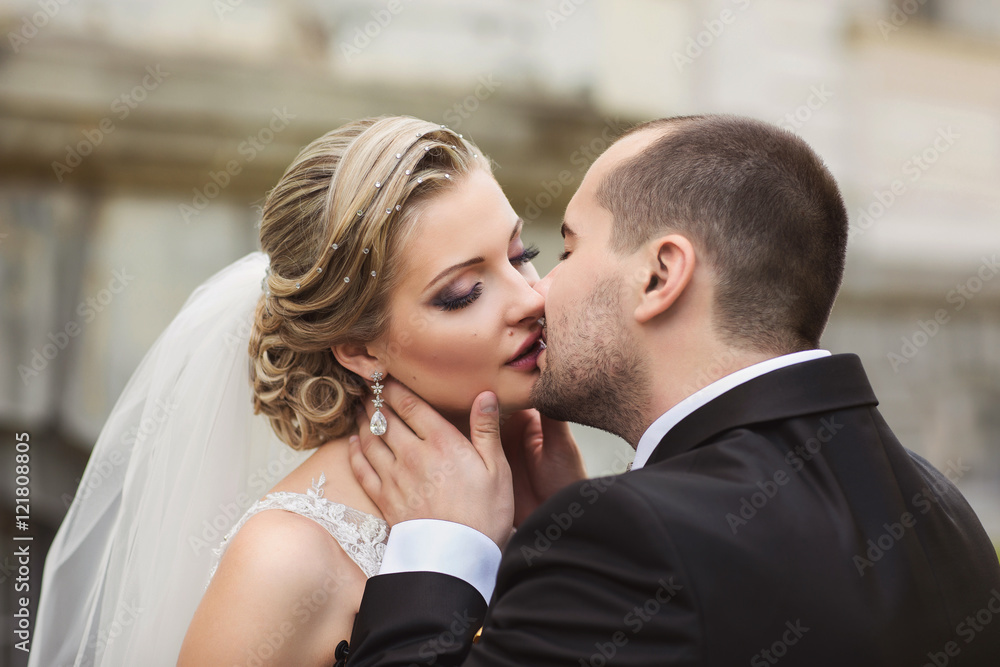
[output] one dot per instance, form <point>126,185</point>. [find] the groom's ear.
<point>668,265</point>
<point>358,357</point>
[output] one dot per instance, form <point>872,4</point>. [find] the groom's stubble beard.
<point>594,374</point>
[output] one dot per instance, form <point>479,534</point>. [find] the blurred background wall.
<point>138,137</point>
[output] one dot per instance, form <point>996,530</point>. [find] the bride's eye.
<point>526,256</point>
<point>448,302</point>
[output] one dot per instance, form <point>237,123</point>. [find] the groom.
<point>770,515</point>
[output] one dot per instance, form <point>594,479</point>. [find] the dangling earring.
<point>378,424</point>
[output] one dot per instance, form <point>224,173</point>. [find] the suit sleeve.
<point>422,618</point>
<point>591,576</point>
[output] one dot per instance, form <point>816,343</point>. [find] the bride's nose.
<point>530,304</point>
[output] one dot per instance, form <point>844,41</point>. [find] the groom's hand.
<point>543,459</point>
<point>424,468</point>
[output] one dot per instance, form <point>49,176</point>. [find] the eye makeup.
<point>448,300</point>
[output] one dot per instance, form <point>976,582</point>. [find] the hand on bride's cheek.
<point>464,306</point>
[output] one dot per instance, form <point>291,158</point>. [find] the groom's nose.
<point>542,286</point>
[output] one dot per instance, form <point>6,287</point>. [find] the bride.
<point>389,250</point>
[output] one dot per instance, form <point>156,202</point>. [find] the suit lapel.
<point>821,385</point>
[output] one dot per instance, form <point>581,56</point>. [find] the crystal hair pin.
<point>399,157</point>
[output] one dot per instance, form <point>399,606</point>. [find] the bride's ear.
<point>357,357</point>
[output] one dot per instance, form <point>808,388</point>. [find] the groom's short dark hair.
<point>762,206</point>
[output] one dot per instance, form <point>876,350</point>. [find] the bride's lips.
<point>527,354</point>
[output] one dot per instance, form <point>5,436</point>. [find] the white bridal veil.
<point>178,462</point>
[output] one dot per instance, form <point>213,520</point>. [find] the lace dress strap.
<point>362,536</point>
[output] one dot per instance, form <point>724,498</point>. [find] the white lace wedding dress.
<point>362,536</point>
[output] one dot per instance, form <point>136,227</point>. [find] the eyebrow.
<point>518,225</point>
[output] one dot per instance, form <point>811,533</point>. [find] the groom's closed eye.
<point>566,230</point>
<point>567,234</point>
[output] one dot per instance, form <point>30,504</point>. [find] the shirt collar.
<point>659,428</point>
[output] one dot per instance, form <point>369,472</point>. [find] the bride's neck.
<point>459,420</point>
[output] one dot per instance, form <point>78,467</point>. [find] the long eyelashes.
<point>450,304</point>
<point>529,254</point>
<point>460,302</point>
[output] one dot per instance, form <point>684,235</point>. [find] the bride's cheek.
<point>406,341</point>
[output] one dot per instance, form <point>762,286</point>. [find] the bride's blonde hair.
<point>334,227</point>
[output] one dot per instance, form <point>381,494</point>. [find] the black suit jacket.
<point>781,523</point>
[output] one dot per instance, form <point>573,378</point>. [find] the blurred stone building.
<point>137,138</point>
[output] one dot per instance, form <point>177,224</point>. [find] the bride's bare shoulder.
<point>288,551</point>
<point>281,575</point>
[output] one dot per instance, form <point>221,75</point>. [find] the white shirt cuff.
<point>432,545</point>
